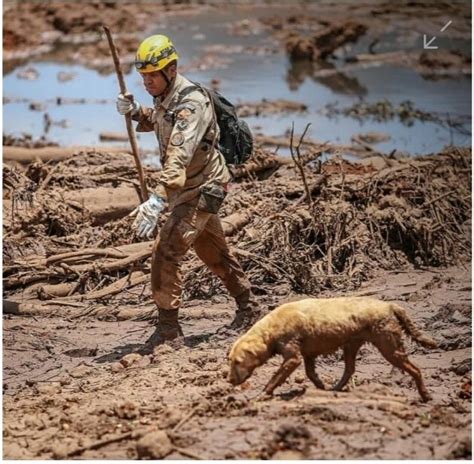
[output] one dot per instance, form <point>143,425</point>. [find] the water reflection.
<point>324,73</point>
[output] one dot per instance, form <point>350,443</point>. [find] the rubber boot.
<point>167,330</point>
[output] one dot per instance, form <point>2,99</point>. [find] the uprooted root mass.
<point>67,236</point>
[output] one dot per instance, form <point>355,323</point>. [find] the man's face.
<point>155,83</point>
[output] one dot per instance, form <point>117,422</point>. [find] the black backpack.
<point>235,142</point>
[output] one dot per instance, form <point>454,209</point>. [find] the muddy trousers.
<point>189,227</point>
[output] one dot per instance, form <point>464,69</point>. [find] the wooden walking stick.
<point>128,117</point>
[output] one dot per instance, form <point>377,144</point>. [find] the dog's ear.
<point>256,348</point>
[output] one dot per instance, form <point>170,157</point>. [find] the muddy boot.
<point>167,330</point>
<point>246,315</point>
<point>247,312</point>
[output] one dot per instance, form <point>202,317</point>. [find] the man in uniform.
<point>193,182</point>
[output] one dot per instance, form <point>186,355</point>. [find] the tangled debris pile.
<point>357,220</point>
<point>325,225</point>
<point>323,43</point>
<point>79,25</point>
<point>357,35</point>
<point>405,111</point>
<point>266,107</point>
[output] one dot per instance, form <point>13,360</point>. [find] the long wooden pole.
<point>128,118</point>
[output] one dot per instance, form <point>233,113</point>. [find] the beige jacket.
<point>186,132</point>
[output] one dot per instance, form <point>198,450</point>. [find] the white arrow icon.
<point>446,26</point>
<point>427,45</point>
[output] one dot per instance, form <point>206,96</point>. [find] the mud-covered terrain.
<point>71,394</point>
<point>305,217</point>
<point>78,311</point>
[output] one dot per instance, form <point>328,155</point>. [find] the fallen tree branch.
<point>135,278</point>
<point>30,155</point>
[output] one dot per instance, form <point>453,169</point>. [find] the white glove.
<point>125,106</point>
<point>147,215</point>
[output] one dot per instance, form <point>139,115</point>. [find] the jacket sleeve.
<point>144,118</point>
<point>192,121</point>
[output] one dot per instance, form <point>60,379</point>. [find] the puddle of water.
<point>248,77</point>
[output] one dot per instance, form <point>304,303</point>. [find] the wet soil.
<point>65,388</point>
<point>77,314</point>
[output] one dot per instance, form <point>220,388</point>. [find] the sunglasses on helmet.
<point>154,60</point>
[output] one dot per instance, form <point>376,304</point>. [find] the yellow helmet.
<point>155,53</point>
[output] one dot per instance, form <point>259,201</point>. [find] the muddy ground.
<point>65,388</point>
<point>78,309</point>
<point>77,300</point>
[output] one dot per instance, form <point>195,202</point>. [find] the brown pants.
<point>185,227</point>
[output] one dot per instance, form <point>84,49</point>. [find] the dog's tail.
<point>410,328</point>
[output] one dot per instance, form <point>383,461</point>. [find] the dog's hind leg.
<point>390,344</point>
<point>309,367</point>
<point>291,360</point>
<point>350,353</point>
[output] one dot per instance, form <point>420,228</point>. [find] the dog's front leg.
<point>291,360</point>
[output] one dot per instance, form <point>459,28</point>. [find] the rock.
<point>154,445</point>
<point>117,367</point>
<point>82,352</point>
<point>143,362</point>
<point>60,451</point>
<point>466,390</point>
<point>463,367</point>
<point>127,410</point>
<point>374,137</point>
<point>50,388</point>
<point>64,381</point>
<point>30,74</point>
<point>129,359</point>
<point>80,371</point>
<point>299,379</point>
<point>65,76</point>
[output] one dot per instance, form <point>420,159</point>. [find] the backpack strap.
<point>196,86</point>
<point>214,117</point>
<point>186,91</point>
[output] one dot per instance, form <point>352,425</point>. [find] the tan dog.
<point>312,327</point>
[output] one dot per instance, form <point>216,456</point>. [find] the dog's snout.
<point>232,378</point>
<point>238,375</point>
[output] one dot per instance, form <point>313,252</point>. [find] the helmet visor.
<point>154,60</point>
<point>140,64</point>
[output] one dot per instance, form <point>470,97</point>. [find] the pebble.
<point>154,445</point>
